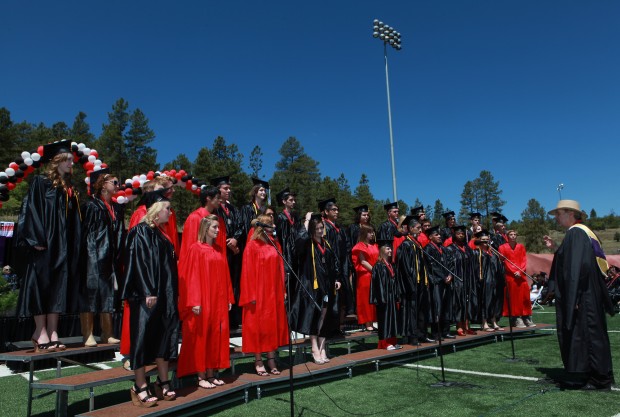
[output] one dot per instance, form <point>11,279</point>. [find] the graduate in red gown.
<point>265,327</point>
<point>365,255</point>
<point>209,203</point>
<point>205,297</point>
<point>517,304</point>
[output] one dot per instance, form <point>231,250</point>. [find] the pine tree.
<point>533,226</point>
<point>80,131</point>
<point>437,212</point>
<point>256,161</point>
<point>141,158</point>
<point>111,142</point>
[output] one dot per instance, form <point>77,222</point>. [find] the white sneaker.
<point>519,324</point>
<point>528,322</point>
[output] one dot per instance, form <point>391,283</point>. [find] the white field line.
<point>463,371</point>
<point>5,371</point>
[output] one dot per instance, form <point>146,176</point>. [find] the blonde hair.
<point>205,224</point>
<point>153,212</point>
<point>53,174</point>
<point>258,230</point>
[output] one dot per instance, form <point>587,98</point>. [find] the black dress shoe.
<point>592,387</point>
<point>449,336</point>
<point>426,340</point>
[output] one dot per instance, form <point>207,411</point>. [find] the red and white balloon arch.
<point>89,158</point>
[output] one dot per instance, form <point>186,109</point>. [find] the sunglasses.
<point>115,182</point>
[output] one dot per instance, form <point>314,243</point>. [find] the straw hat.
<point>572,205</point>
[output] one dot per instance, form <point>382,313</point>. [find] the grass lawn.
<point>399,390</point>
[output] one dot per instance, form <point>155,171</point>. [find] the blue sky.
<point>528,90</point>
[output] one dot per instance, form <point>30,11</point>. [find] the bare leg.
<point>316,351</point>
<point>322,348</point>
<point>258,365</point>
<point>140,376</point>
<point>40,331</point>
<point>162,378</point>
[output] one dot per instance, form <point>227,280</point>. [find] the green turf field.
<point>496,387</point>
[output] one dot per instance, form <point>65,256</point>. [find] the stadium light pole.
<point>390,37</point>
<point>560,188</point>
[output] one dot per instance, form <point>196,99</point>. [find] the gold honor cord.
<point>315,284</point>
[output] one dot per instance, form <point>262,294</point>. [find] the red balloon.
<point>172,172</point>
<point>14,166</point>
<point>89,172</point>
<point>150,176</point>
<point>151,173</point>
<point>178,176</point>
<point>10,185</point>
<point>104,165</point>
<point>20,180</point>
<point>136,184</point>
<point>128,192</point>
<point>188,185</point>
<point>89,166</point>
<point>94,153</point>
<point>40,150</point>
<point>30,169</point>
<point>182,172</point>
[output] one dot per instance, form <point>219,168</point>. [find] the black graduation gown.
<point>581,302</point>
<point>50,278</point>
<point>385,294</point>
<point>387,231</point>
<point>441,293</point>
<point>408,276</point>
<point>103,243</point>
<point>234,230</point>
<point>445,233</point>
<point>287,233</point>
<point>337,238</point>
<point>151,270</point>
<point>305,317</point>
<point>489,271</point>
<point>248,213</point>
<point>464,285</point>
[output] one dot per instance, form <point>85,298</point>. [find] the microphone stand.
<point>512,341</point>
<point>438,318</point>
<point>290,337</point>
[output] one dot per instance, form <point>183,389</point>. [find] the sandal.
<point>260,372</point>
<point>57,345</point>
<point>488,329</point>
<point>273,370</point>
<point>216,382</point>
<point>205,383</point>
<point>148,401</point>
<point>167,394</point>
<point>43,347</point>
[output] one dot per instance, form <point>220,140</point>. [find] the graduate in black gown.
<point>234,233</point>
<point>385,294</point>
<point>412,279</point>
<point>450,220</point>
<point>362,216</point>
<point>488,271</point>
<point>464,287</point>
<point>578,270</point>
<point>319,276</point>
<point>47,240</point>
<point>259,200</point>
<point>287,226</point>
<point>103,238</point>
<point>336,237</point>
<point>440,285</point>
<point>389,228</point>
<point>151,288</point>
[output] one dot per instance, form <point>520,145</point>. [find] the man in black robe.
<point>336,236</point>
<point>389,228</point>
<point>460,261</point>
<point>498,235</point>
<point>234,230</point>
<point>474,220</point>
<point>440,285</point>
<point>287,227</point>
<point>578,270</point>
<point>446,232</point>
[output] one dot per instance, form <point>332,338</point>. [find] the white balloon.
<point>135,178</point>
<point>98,162</point>
<point>35,156</point>
<point>9,172</point>
<point>3,174</point>
<point>128,181</point>
<point>91,158</point>
<point>28,161</point>
<point>142,177</point>
<point>87,180</point>
<point>194,187</point>
<point>97,168</point>
<point>121,200</point>
<point>81,147</point>
<point>25,155</point>
<point>86,151</point>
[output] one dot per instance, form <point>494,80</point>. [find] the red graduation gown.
<point>517,289</point>
<point>262,281</point>
<point>204,281</point>
<point>366,312</point>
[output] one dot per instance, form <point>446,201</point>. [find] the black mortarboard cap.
<point>448,214</point>
<point>432,230</point>
<point>499,217</point>
<point>323,204</point>
<point>263,183</point>
<point>482,233</point>
<point>474,215</point>
<point>384,242</point>
<point>52,149</point>
<point>458,227</point>
<point>316,216</point>
<point>283,195</point>
<point>408,219</point>
<point>390,206</point>
<point>216,182</point>
<point>94,176</point>
<point>361,209</point>
<point>416,211</point>
<point>153,197</point>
